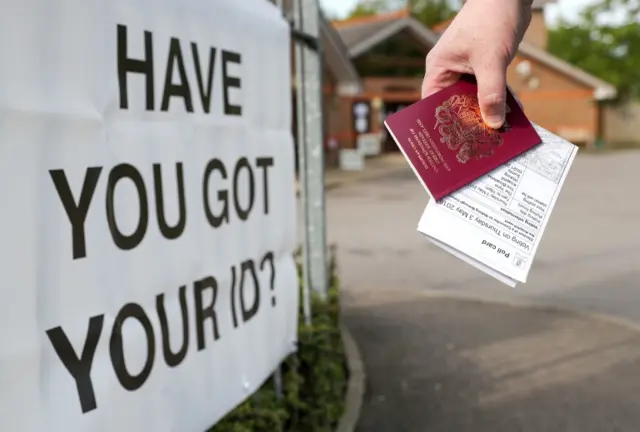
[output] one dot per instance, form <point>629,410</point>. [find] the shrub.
<point>314,378</point>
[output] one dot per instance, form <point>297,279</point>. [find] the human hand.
<point>482,40</point>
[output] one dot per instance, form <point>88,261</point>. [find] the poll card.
<point>496,222</point>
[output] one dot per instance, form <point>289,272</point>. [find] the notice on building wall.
<point>361,117</point>
<point>148,212</point>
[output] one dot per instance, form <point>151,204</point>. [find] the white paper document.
<point>496,223</point>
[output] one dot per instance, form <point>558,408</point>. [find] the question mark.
<point>269,257</point>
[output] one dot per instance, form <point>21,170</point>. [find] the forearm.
<point>481,46</point>
<point>505,11</point>
<point>523,3</point>
<point>523,6</point>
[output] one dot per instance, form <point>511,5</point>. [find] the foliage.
<point>366,8</point>
<point>314,379</point>
<point>606,48</point>
<point>430,12</point>
<point>629,10</point>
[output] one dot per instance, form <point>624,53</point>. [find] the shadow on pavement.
<point>450,365</point>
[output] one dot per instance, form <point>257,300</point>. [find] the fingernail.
<point>494,121</point>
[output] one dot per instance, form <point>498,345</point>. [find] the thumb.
<point>492,93</point>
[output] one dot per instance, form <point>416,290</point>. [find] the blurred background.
<point>445,347</point>
<point>577,70</point>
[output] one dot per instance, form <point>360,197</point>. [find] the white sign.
<point>351,160</point>
<point>148,211</point>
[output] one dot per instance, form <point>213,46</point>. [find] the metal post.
<point>302,160</point>
<point>312,149</point>
<point>277,374</point>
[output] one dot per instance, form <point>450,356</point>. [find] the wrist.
<point>520,10</point>
<point>527,4</point>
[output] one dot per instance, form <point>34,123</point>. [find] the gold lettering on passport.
<point>461,128</point>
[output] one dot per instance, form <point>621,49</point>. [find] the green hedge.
<point>314,378</point>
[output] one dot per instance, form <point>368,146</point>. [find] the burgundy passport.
<point>448,145</point>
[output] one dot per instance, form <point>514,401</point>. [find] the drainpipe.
<point>600,125</point>
<point>601,95</point>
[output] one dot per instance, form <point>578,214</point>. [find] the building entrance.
<point>389,108</point>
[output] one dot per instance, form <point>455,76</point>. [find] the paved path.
<point>589,258</point>
<point>445,365</point>
<point>437,362</point>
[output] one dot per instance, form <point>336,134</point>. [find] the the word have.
<point>176,66</point>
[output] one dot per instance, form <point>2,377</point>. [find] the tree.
<point>608,49</point>
<point>400,55</point>
<point>373,7</point>
<point>432,12</point>
<point>429,12</point>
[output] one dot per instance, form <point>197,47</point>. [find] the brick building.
<point>387,52</point>
<point>341,80</point>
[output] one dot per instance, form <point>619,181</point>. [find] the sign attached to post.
<point>148,212</point>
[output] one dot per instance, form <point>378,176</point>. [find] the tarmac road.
<point>589,257</point>
<point>437,361</point>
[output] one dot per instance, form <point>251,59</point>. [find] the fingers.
<point>436,79</point>
<point>491,76</point>
<point>430,86</point>
<point>492,92</point>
